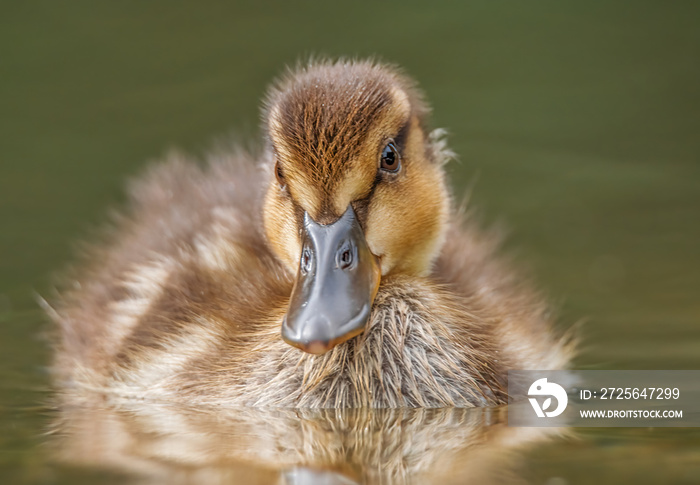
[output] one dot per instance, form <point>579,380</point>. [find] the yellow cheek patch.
<point>280,227</point>
<point>406,221</point>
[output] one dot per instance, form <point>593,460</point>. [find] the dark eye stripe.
<point>279,174</point>
<point>402,136</point>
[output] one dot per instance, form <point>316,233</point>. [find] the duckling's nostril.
<point>346,256</point>
<point>305,261</point>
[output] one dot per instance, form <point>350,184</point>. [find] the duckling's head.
<point>356,193</point>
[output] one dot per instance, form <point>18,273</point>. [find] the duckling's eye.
<point>390,159</point>
<point>280,175</point>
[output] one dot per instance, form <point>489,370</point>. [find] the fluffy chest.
<point>411,355</point>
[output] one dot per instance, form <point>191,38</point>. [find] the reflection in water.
<point>173,444</point>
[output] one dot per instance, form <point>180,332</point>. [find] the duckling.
<point>329,271</point>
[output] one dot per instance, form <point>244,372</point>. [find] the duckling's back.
<point>138,293</point>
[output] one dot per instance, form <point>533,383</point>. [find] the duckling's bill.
<point>335,287</point>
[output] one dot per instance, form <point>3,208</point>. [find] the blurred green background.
<point>576,123</point>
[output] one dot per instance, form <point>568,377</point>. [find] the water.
<point>577,128</point>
